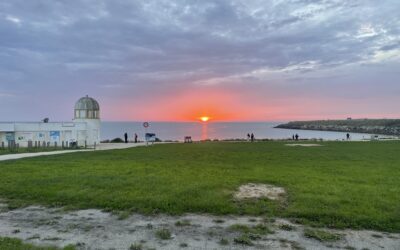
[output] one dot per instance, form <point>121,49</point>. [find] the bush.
<point>117,140</point>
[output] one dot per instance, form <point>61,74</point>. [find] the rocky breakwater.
<point>370,126</point>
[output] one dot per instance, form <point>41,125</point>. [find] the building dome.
<point>87,108</point>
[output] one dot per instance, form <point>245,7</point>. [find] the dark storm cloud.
<point>64,48</point>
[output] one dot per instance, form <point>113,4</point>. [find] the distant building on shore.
<point>83,130</point>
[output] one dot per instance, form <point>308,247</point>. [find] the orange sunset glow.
<point>202,104</point>
<point>204,118</point>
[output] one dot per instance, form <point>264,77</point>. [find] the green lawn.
<point>342,184</point>
<point>4,151</point>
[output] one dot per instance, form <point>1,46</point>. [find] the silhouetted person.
<point>297,137</point>
<point>252,137</point>
<point>293,137</point>
<point>348,136</point>
<point>248,136</point>
<point>126,137</point>
<point>136,137</point>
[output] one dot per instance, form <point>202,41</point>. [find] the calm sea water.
<point>214,130</point>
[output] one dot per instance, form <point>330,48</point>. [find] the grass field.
<point>26,150</point>
<point>342,184</point>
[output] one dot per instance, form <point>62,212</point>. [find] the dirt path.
<point>93,229</point>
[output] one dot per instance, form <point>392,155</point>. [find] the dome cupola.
<point>87,108</point>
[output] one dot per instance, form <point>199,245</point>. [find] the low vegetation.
<point>322,235</point>
<point>244,239</point>
<point>16,244</point>
<point>224,242</point>
<point>259,229</point>
<point>136,246</point>
<point>340,185</point>
<point>287,227</point>
<point>182,223</point>
<point>4,151</point>
<point>163,234</point>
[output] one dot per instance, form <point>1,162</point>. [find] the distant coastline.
<point>369,126</point>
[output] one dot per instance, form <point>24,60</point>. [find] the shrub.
<point>117,140</point>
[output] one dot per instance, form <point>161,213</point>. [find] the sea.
<point>176,131</point>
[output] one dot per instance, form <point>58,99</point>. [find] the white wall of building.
<point>84,130</point>
<point>53,132</point>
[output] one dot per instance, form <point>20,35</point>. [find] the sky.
<point>168,60</point>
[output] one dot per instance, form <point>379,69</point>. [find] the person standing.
<point>252,137</point>
<point>136,138</point>
<point>248,137</point>
<point>126,137</point>
<point>297,137</point>
<point>348,136</point>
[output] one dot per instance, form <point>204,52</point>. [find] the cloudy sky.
<point>177,60</point>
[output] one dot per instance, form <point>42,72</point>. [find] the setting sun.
<point>204,118</point>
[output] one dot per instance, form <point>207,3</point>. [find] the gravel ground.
<point>94,229</point>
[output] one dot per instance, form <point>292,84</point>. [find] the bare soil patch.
<point>94,229</point>
<point>256,191</point>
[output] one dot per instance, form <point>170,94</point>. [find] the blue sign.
<point>55,135</point>
<point>10,137</point>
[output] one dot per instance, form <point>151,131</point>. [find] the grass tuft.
<point>321,235</point>
<point>243,239</point>
<point>136,246</point>
<point>163,234</point>
<point>224,242</point>
<point>182,223</point>
<point>259,229</point>
<point>287,227</point>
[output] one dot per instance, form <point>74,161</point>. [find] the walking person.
<point>297,137</point>
<point>126,137</point>
<point>348,136</point>
<point>252,137</point>
<point>248,137</point>
<point>293,137</point>
<point>136,138</point>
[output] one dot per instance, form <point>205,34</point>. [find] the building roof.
<point>87,103</point>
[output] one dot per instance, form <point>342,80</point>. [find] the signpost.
<point>146,125</point>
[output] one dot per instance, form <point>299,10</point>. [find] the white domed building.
<point>84,130</point>
<point>87,110</point>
